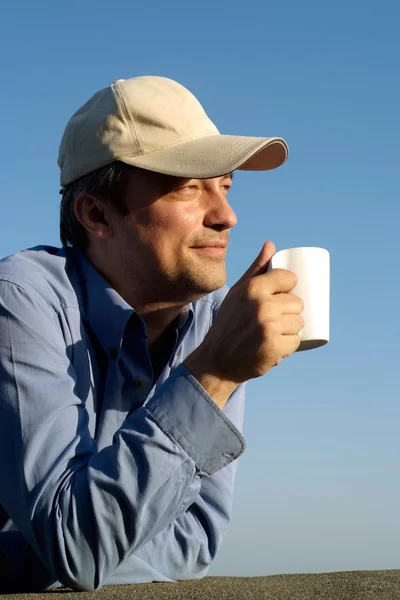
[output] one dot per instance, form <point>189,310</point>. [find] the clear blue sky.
<point>318,488</point>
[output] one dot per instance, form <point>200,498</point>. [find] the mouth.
<point>217,250</point>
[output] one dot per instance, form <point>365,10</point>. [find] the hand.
<point>256,326</point>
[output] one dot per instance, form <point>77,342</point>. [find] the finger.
<point>291,324</point>
<point>279,281</point>
<point>290,344</point>
<point>290,303</point>
<point>261,262</point>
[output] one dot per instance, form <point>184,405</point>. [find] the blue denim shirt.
<point>106,475</point>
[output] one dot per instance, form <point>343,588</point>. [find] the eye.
<point>188,190</point>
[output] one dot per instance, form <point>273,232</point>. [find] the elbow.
<point>37,571</point>
<point>77,561</point>
<point>84,581</point>
<point>195,567</point>
<point>85,578</point>
<point>194,561</point>
<point>82,571</point>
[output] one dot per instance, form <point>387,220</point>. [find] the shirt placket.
<point>128,383</point>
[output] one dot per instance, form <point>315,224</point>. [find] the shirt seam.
<point>23,285</point>
<point>213,303</point>
<point>218,412</point>
<point>165,430</point>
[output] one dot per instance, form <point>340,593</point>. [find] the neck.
<point>158,315</point>
<point>159,319</point>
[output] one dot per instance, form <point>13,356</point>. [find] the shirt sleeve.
<point>84,511</point>
<point>186,548</point>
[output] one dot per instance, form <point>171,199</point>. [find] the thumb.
<point>260,264</point>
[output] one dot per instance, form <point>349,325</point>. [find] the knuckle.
<point>277,361</point>
<point>291,344</point>
<point>294,303</point>
<point>259,313</point>
<point>283,277</point>
<point>300,323</point>
<point>252,289</point>
<point>275,349</point>
<point>295,343</point>
<point>259,369</point>
<point>270,312</point>
<point>294,278</point>
<point>270,330</point>
<point>290,277</point>
<point>300,303</point>
<point>275,277</point>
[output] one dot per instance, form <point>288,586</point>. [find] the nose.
<point>219,214</point>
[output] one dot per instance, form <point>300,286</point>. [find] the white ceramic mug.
<point>312,268</point>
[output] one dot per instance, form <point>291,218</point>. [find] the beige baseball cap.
<point>156,124</point>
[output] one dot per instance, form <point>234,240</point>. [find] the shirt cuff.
<point>185,411</point>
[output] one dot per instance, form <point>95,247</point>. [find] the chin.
<point>209,283</point>
<point>194,279</point>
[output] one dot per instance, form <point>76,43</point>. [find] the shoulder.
<point>40,271</point>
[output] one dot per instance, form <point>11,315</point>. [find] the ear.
<point>91,212</point>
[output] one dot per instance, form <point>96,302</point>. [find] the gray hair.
<point>108,182</point>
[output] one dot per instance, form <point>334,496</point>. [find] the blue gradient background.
<point>318,488</point>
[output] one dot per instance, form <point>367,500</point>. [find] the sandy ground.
<point>352,585</point>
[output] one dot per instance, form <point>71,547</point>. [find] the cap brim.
<point>214,156</point>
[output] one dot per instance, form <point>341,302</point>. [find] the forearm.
<point>81,510</point>
<point>90,511</point>
<point>186,547</point>
<point>219,389</point>
<point>195,537</point>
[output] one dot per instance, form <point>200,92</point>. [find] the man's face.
<point>173,241</point>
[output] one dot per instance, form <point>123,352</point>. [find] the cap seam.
<point>127,116</point>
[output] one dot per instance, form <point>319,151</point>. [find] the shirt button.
<point>113,353</point>
<point>139,383</point>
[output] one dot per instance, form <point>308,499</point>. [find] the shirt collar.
<point>184,316</point>
<point>107,313</point>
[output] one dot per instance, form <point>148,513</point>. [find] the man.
<point>123,355</point>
